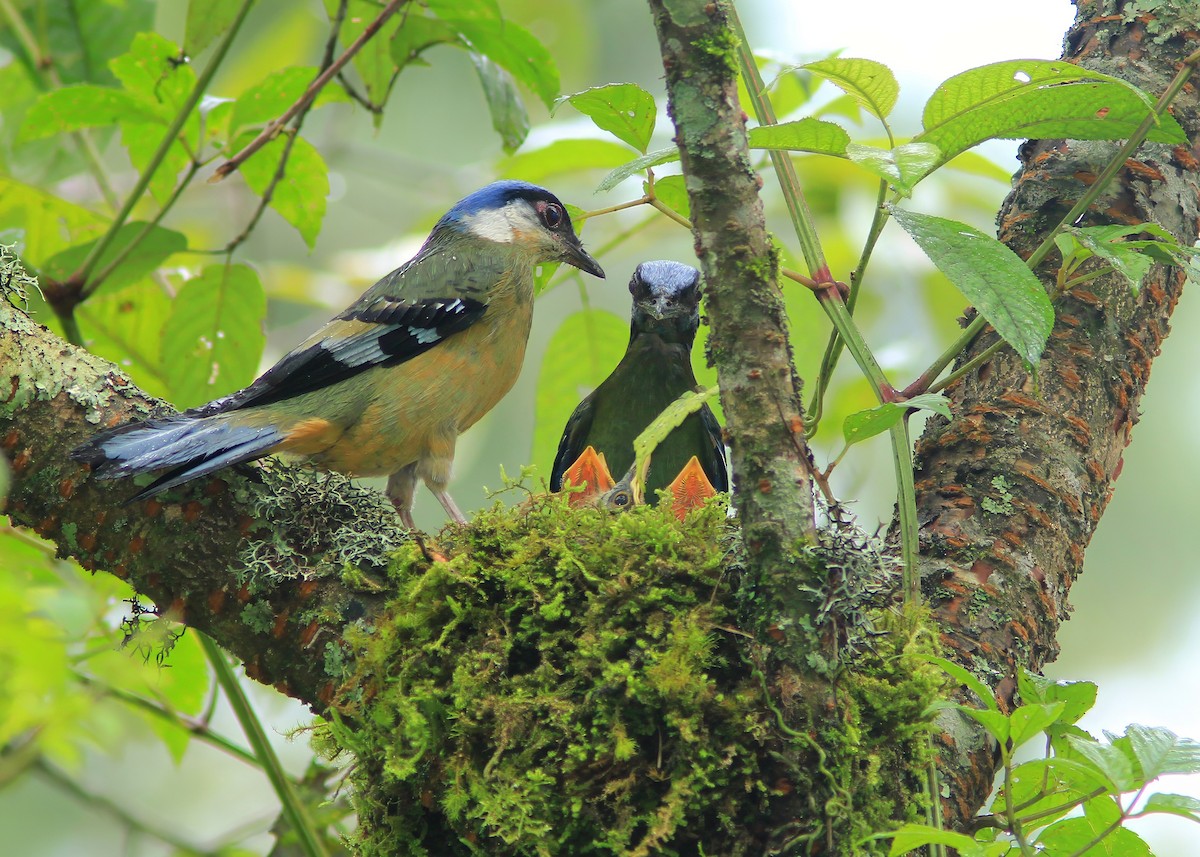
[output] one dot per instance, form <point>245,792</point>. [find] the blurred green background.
<point>1133,630</point>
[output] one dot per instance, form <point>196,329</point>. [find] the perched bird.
<point>654,372</point>
<point>385,387</point>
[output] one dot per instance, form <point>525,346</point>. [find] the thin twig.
<point>277,125</point>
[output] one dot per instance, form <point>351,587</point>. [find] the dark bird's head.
<point>520,215</point>
<point>666,300</point>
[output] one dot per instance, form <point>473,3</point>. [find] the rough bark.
<point>255,560</point>
<point>1009,493</point>
<point>748,345</point>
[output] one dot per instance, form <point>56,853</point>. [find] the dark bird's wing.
<point>712,459</point>
<point>574,441</point>
<point>383,332</point>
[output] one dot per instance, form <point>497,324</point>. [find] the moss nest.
<point>575,682</point>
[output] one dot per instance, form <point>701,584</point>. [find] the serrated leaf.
<point>213,340</point>
<point>509,117</point>
<point>901,167</point>
<point>803,135</point>
<point>151,252</point>
<point>1077,697</point>
<point>1160,751</point>
<point>207,19</point>
<point>1073,836</point>
<point>83,106</point>
<point>1131,259</point>
<point>964,677</point>
<point>859,426</point>
<point>565,156</point>
<point>1019,99</point>
<point>582,352</point>
<point>624,110</point>
<point>1109,761</point>
<point>1028,721</point>
<point>672,192</point>
<point>991,276</point>
<point>300,195</point>
<point>671,418</point>
<point>637,165</point>
<point>1184,806</point>
<point>910,837</point>
<point>514,49</point>
<point>870,83</point>
<point>152,68</point>
<point>1038,790</point>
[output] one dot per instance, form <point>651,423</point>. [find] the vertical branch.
<point>749,345</point>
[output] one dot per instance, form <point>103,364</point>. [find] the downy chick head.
<point>666,300</point>
<point>521,214</point>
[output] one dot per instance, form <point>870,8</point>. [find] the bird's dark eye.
<point>552,215</point>
<point>621,499</point>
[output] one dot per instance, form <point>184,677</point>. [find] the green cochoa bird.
<point>385,387</point>
<point>655,371</point>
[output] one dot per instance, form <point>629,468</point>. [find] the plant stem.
<point>293,809</point>
<point>81,276</point>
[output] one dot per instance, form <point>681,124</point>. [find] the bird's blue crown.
<point>664,277</point>
<point>495,196</point>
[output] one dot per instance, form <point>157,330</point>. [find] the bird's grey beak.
<point>574,254</point>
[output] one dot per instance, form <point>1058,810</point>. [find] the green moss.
<point>1002,504</point>
<point>576,682</point>
<point>259,617</point>
<point>721,47</point>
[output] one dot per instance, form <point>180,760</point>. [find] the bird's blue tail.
<point>188,446</point>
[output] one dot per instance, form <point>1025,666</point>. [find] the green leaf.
<point>990,275</point>
<point>213,340</point>
<point>637,165</point>
<point>152,69</point>
<point>1160,751</point>
<point>624,110</point>
<point>671,191</point>
<point>514,49</point>
<point>49,222</point>
<point>1030,720</point>
<point>488,10</point>
<point>997,724</point>
<point>374,62</point>
<point>418,34</point>
<point>1019,99</point>
<point>581,353</point>
<point>299,197</point>
<point>150,253</point>
<point>803,135</point>
<point>1039,791</point>
<point>965,677</point>
<point>1131,259</point>
<point>1077,697</point>
<point>1184,806</point>
<point>565,156</point>
<point>859,426</point>
<point>125,326</point>
<point>141,140</point>
<point>910,837</point>
<point>207,19</point>
<point>83,37</point>
<point>1070,836</point>
<point>671,418</point>
<point>509,117</point>
<point>83,106</point>
<point>901,167</point>
<point>870,83</point>
<point>268,99</point>
<point>1107,760</point>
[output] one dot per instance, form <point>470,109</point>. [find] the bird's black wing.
<point>714,459</point>
<point>384,331</point>
<point>573,442</point>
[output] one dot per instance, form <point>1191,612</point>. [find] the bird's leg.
<point>435,467</point>
<point>401,486</point>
